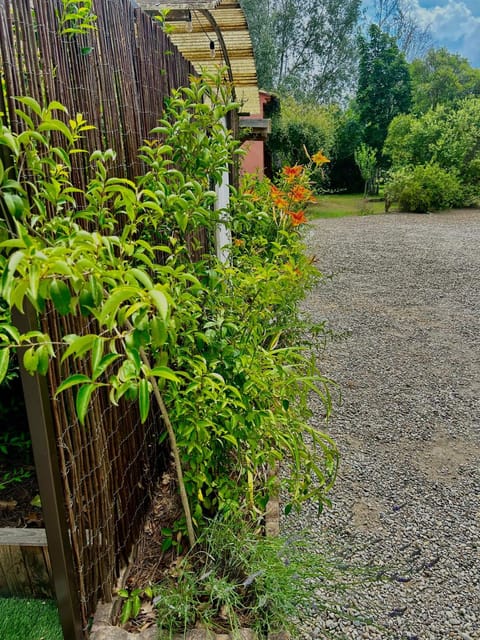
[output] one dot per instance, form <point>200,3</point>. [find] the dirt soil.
<point>16,509</point>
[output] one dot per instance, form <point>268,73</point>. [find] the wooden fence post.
<point>37,401</point>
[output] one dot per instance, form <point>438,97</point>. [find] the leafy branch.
<point>205,343</point>
<point>76,17</point>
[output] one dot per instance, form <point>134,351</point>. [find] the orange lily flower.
<point>319,158</point>
<point>292,172</point>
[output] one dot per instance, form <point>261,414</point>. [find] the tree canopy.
<point>397,18</point>
<point>384,86</point>
<point>442,78</point>
<point>304,47</point>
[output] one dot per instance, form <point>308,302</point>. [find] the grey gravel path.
<point>407,289</point>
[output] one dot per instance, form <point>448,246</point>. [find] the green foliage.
<point>15,476</point>
<point>366,160</point>
<point>304,48</point>
<point>447,137</point>
<point>76,17</point>
<point>234,577</point>
<point>344,173</point>
<point>442,78</point>
<point>384,89</point>
<point>207,341</point>
<point>132,602</point>
<point>299,127</point>
<point>423,188</point>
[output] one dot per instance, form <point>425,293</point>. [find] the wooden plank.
<point>37,570</point>
<point>25,568</point>
<point>17,581</point>
<point>23,537</point>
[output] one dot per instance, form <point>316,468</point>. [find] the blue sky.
<point>454,24</point>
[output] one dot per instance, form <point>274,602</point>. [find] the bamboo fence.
<point>117,76</point>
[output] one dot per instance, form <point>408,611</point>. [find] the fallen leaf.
<point>7,505</point>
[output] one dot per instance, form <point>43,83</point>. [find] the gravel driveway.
<point>406,288</point>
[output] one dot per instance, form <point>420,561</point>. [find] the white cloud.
<point>454,27</point>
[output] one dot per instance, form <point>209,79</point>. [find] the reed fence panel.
<point>117,76</point>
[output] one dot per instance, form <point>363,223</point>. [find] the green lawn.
<point>29,620</point>
<point>340,205</point>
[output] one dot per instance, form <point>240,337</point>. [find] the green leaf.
<point>71,381</point>
<point>18,294</point>
<point>104,363</point>
<point>4,360</point>
<point>142,277</point>
<point>164,372</point>
<point>126,612</point>
<point>11,331</point>
<point>114,301</point>
<point>56,125</point>
<point>30,360</point>
<point>136,606</point>
<point>144,399</point>
<point>83,400</point>
<point>160,301</point>
<point>158,331</point>
<point>78,345</point>
<point>86,302</point>
<point>43,360</point>
<point>61,296</point>
<point>97,352</point>
<point>182,220</point>
<point>30,102</point>
<point>54,105</point>
<point>134,356</point>
<point>15,204</point>
<point>36,501</point>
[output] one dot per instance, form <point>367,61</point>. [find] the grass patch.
<point>22,619</point>
<point>337,205</point>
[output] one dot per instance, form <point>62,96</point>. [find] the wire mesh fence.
<point>117,76</point>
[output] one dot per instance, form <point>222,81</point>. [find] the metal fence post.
<point>37,401</point>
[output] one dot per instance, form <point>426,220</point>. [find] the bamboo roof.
<point>222,22</point>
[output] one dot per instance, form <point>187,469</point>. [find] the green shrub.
<point>423,188</point>
<point>207,343</point>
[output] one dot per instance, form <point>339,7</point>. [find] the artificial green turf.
<point>29,620</point>
<point>337,206</point>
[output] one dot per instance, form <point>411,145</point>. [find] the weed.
<point>235,577</point>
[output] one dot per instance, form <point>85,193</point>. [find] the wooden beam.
<point>157,5</point>
<point>255,128</point>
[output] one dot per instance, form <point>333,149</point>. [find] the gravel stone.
<point>405,293</point>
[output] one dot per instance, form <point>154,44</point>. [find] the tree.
<point>442,78</point>
<point>447,137</point>
<point>304,47</point>
<point>397,18</point>
<point>301,129</point>
<point>384,86</point>
<point>412,140</point>
<point>366,160</point>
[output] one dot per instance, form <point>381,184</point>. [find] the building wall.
<point>254,160</point>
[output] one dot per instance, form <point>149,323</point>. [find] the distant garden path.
<point>407,289</point>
